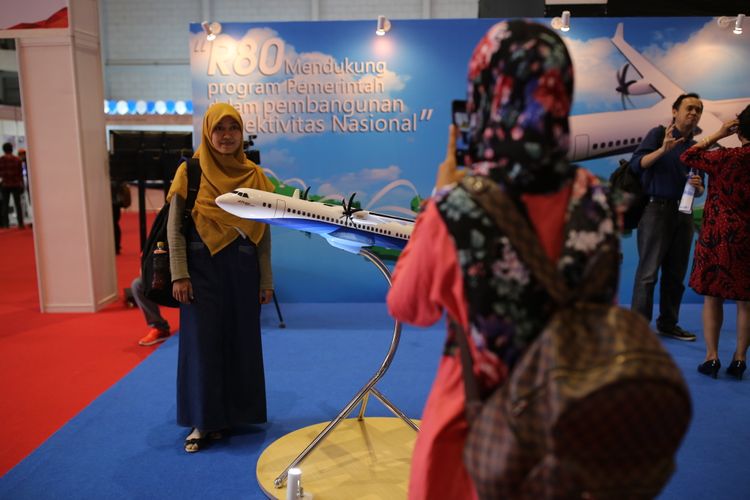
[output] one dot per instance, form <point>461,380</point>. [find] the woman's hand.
<point>266,296</point>
<point>182,290</point>
<point>448,172</point>
<point>728,128</point>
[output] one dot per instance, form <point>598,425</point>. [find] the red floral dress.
<point>721,263</point>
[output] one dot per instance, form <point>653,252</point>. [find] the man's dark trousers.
<point>665,236</point>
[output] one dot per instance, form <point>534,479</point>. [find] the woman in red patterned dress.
<point>721,266</point>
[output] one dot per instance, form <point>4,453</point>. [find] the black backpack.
<point>624,180</point>
<point>157,280</point>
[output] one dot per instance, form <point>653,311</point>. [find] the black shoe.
<point>678,333</point>
<point>736,368</point>
<point>710,367</point>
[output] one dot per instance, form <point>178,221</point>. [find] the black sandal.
<point>193,445</point>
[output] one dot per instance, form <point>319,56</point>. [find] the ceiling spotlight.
<point>738,24</point>
<point>384,26</point>
<point>725,22</point>
<point>211,30</point>
<point>562,23</point>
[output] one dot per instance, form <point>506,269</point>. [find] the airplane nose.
<point>224,199</point>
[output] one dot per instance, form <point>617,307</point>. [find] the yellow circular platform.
<point>365,459</point>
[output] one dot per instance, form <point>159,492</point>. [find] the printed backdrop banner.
<point>336,108</point>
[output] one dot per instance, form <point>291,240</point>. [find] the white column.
<point>62,97</point>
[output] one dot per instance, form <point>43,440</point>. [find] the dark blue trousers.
<point>664,239</point>
<point>220,379</point>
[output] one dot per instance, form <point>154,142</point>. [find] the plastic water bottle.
<point>161,277</point>
<point>686,203</point>
<point>294,489</point>
<point>293,483</point>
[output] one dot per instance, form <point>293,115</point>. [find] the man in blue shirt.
<point>664,233</point>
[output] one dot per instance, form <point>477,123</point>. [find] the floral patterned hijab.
<point>521,83</point>
<point>519,97</point>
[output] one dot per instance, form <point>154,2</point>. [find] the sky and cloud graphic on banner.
<point>340,110</point>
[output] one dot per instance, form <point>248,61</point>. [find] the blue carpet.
<point>126,443</point>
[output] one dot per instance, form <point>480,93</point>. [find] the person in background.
<point>25,163</point>
<point>120,199</point>
<point>721,263</point>
<point>221,274</point>
<point>664,233</point>
<point>458,261</point>
<point>11,173</point>
<point>158,326</point>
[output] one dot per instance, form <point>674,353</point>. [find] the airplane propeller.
<point>305,194</point>
<point>623,86</point>
<point>349,209</point>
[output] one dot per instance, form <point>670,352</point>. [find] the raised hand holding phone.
<point>448,172</point>
<point>461,121</point>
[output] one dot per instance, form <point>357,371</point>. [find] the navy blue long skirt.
<point>220,380</point>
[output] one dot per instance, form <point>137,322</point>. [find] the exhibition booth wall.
<point>340,110</point>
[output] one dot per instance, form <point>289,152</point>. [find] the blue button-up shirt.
<point>667,176</point>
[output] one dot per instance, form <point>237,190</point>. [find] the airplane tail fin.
<point>619,32</point>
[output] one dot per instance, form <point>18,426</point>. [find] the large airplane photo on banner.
<point>599,135</point>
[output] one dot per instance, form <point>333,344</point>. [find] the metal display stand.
<point>278,311</point>
<point>364,393</point>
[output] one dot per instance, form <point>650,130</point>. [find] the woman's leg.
<point>713,317</point>
<point>743,329</point>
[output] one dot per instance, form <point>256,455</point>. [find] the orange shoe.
<point>154,336</point>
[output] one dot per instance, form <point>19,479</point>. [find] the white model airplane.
<point>597,135</point>
<point>343,226</point>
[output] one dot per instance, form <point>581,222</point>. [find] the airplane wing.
<point>661,84</point>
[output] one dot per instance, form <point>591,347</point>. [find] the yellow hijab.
<point>221,173</point>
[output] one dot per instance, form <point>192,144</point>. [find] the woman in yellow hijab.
<point>221,272</point>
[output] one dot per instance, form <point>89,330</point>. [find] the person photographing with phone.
<point>664,233</point>
<point>721,265</point>
<point>459,262</point>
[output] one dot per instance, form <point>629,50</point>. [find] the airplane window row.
<point>378,230</point>
<point>354,224</point>
<point>617,143</point>
<point>308,214</point>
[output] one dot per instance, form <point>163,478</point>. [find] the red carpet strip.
<point>54,365</point>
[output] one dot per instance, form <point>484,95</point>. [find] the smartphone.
<point>461,121</point>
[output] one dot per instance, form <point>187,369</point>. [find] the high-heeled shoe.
<point>736,368</point>
<point>710,367</point>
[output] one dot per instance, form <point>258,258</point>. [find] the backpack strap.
<point>503,212</point>
<point>194,182</point>
<point>471,387</point>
